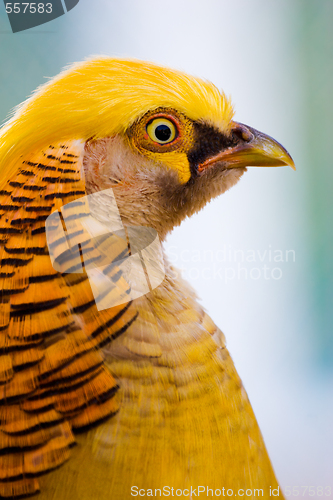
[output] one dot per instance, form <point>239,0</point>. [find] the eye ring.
<point>162,130</point>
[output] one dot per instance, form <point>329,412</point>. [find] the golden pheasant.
<point>146,389</point>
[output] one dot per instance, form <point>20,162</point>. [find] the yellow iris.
<point>161,130</point>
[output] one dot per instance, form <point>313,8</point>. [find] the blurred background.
<point>260,256</point>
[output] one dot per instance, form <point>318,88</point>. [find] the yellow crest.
<point>103,97</point>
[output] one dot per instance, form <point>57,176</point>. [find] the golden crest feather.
<point>102,97</point>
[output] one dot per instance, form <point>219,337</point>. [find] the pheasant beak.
<point>252,149</point>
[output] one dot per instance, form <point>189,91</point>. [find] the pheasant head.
<point>166,142</point>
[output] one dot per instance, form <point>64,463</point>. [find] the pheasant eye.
<point>161,130</point>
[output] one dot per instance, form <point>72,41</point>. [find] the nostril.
<point>242,132</point>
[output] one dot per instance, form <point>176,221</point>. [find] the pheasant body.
<point>163,423</point>
<point>145,390</point>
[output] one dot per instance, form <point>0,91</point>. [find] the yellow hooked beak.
<point>253,149</point>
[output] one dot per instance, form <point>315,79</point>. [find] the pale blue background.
<point>275,59</point>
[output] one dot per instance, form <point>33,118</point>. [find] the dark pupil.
<point>163,133</point>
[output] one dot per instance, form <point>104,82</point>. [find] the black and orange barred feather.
<point>53,380</point>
